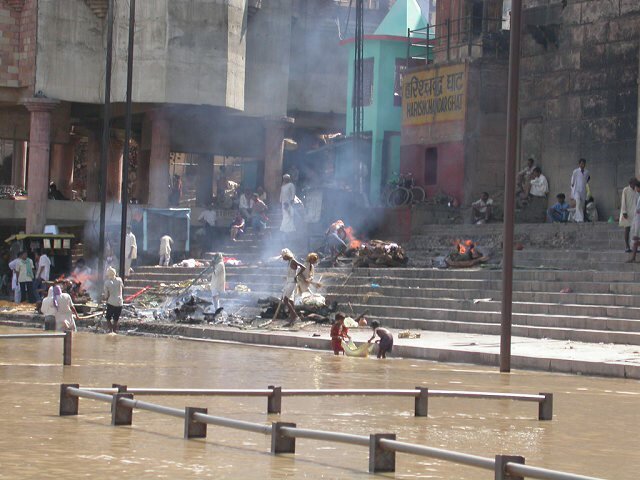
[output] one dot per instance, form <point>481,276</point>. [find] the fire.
<point>464,247</point>
<point>351,239</point>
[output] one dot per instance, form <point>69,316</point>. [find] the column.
<point>114,169</point>
<point>62,158</point>
<point>204,185</point>
<point>93,165</point>
<point>19,164</point>
<point>159,173</point>
<point>274,130</point>
<point>38,174</point>
<point>141,187</point>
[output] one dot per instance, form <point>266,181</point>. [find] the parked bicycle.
<point>402,190</point>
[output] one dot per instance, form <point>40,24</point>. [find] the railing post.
<point>422,402</point>
<point>121,388</point>
<point>545,408</point>
<point>381,460</point>
<point>274,400</point>
<point>501,464</point>
<point>66,350</point>
<point>193,428</point>
<point>68,403</point>
<point>121,414</point>
<point>281,443</point>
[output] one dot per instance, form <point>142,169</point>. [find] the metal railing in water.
<point>382,446</point>
<point>66,342</point>
<point>420,394</point>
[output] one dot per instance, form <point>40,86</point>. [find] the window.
<point>367,83</point>
<point>431,166</point>
<point>401,66</point>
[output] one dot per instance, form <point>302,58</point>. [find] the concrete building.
<point>215,83</point>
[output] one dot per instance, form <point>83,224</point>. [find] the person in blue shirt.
<point>560,211</point>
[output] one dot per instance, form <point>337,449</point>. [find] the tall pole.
<point>358,90</point>
<point>510,186</point>
<point>127,140</point>
<point>104,153</point>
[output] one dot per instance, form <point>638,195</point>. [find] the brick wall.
<point>17,42</point>
<point>579,92</point>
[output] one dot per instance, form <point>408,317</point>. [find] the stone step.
<point>544,320</point>
<point>589,336</point>
<point>523,307</point>
<point>545,297</point>
<point>626,288</point>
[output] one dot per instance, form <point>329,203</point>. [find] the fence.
<point>420,394</point>
<point>382,446</point>
<point>66,342</point>
<point>461,32</point>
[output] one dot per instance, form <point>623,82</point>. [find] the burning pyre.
<point>465,254</point>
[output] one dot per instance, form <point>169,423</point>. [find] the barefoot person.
<point>65,310</point>
<point>113,296</point>
<point>218,279</point>
<point>635,227</point>
<point>305,279</point>
<point>385,344</point>
<point>627,212</point>
<point>338,333</point>
<point>294,268</point>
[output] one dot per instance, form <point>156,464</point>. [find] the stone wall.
<point>17,42</point>
<point>579,96</point>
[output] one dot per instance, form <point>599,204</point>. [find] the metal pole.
<point>510,187</point>
<point>66,349</point>
<point>106,119</point>
<point>127,140</point>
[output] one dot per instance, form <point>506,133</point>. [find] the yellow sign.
<point>434,95</point>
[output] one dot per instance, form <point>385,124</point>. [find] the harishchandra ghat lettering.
<point>434,95</point>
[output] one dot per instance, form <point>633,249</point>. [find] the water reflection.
<point>593,432</point>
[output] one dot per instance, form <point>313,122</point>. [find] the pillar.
<point>19,164</point>
<point>638,127</point>
<point>274,130</point>
<point>114,169</point>
<point>38,174</point>
<point>159,172</point>
<point>93,165</point>
<point>62,158</point>
<point>141,186</point>
<point>204,185</point>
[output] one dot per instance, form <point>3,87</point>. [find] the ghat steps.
<point>602,303</point>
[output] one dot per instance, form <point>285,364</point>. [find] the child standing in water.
<point>385,344</point>
<point>338,333</point>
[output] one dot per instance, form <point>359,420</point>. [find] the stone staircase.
<point>602,304</point>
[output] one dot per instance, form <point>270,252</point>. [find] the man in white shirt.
<point>287,196</point>
<point>208,218</point>
<point>539,184</point>
<point>15,285</point>
<point>628,209</point>
<point>130,250</point>
<point>165,250</point>
<point>579,180</point>
<point>245,204</point>
<point>42,275</point>
<point>482,209</point>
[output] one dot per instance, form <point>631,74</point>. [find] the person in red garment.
<point>338,333</point>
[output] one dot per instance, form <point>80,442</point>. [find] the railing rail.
<point>382,447</point>
<point>66,341</point>
<point>420,394</point>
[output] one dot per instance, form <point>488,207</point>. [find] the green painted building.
<point>384,58</point>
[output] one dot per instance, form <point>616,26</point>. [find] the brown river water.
<point>594,431</point>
